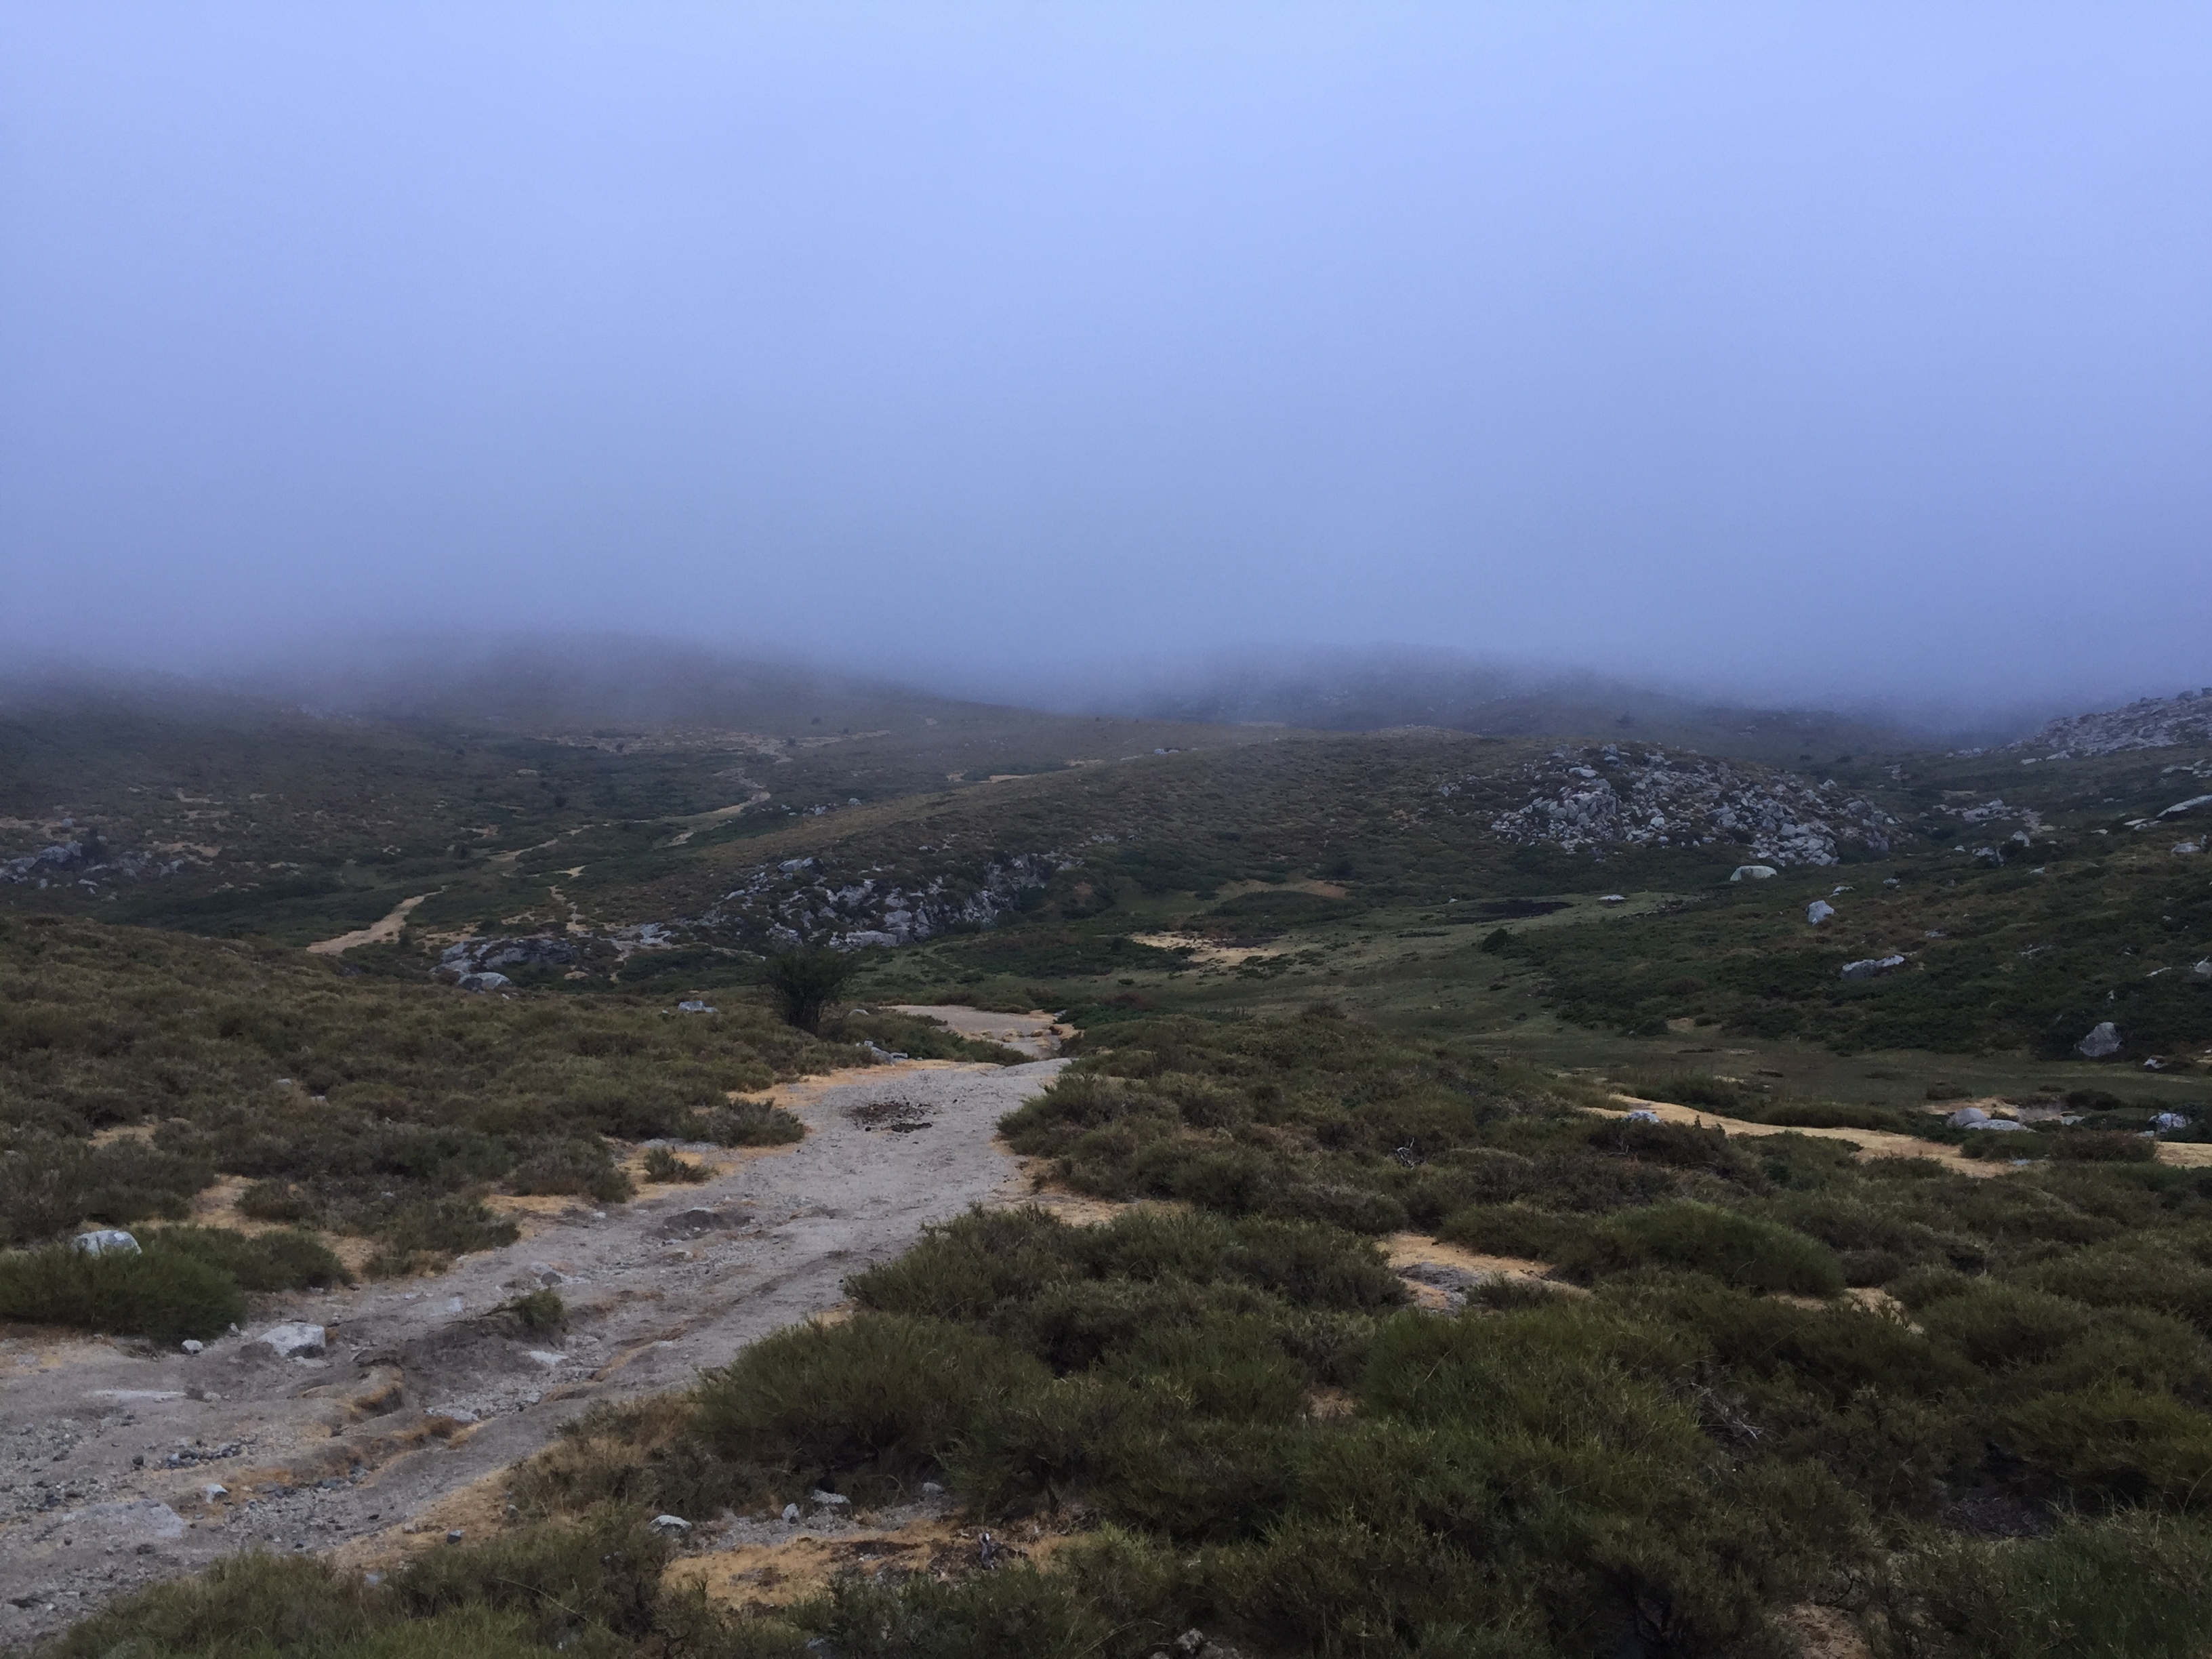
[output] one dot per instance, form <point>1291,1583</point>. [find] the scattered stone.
<point>1871,966</point>
<point>295,1339</point>
<point>696,1007</point>
<point>1818,911</point>
<point>2004,1123</point>
<point>1752,872</point>
<point>105,1241</point>
<point>833,1499</point>
<point>1967,1117</point>
<point>194,1345</point>
<point>2104,1039</point>
<point>2169,1122</point>
<point>1643,1114</point>
<point>483,981</point>
<point>671,1526</point>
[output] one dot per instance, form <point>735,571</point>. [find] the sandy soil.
<point>108,1450</point>
<point>1034,1033</point>
<point>1881,1143</point>
<point>1205,952</point>
<point>377,932</point>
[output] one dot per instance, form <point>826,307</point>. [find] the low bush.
<point>279,1260</point>
<point>748,1123</point>
<point>50,1186</point>
<point>165,1295</point>
<point>2004,1327</point>
<point>664,1165</point>
<point>1514,1229</point>
<point>424,1237</point>
<point>881,1395</point>
<point>574,1167</point>
<point>1737,1250</point>
<point>539,1310</point>
<point>2128,1586</point>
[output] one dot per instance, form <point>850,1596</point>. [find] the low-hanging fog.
<point>1848,353</point>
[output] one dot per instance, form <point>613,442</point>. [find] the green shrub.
<point>749,1123</point>
<point>164,1295</point>
<point>2003,1326</point>
<point>2118,1441</point>
<point>279,1260</point>
<point>539,1310</point>
<point>277,1200</point>
<point>1514,1229</point>
<point>664,1165</point>
<point>2130,1586</point>
<point>882,1393</point>
<point>805,981</point>
<point>1014,1611</point>
<point>1737,1250</point>
<point>423,1237</point>
<point>575,1167</point>
<point>49,1186</point>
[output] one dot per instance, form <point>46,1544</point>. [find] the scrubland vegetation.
<point>137,1068</point>
<point>1741,1377</point>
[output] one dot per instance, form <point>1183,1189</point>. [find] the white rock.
<point>212,1493</point>
<point>1754,872</point>
<point>483,981</point>
<point>671,1526</point>
<point>695,1008</point>
<point>791,1512</point>
<point>1818,911</point>
<point>1998,1123</point>
<point>2203,969</point>
<point>2169,1121</point>
<point>295,1340</point>
<point>1871,966</point>
<point>1643,1114</point>
<point>2104,1039</point>
<point>1613,899</point>
<point>105,1241</point>
<point>547,1357</point>
<point>833,1499</point>
<point>1967,1117</point>
<point>2189,805</point>
<point>194,1345</point>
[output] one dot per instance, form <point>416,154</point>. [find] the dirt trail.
<point>107,1447</point>
<point>1033,1033</point>
<point>377,932</point>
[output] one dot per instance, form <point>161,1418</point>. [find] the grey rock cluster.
<point>799,902</point>
<point>1871,966</point>
<point>2104,1039</point>
<point>86,863</point>
<point>1592,799</point>
<point>486,956</point>
<point>2148,723</point>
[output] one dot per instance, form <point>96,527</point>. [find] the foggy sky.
<point>1820,351</point>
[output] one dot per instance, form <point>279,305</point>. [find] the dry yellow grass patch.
<point>766,1577</point>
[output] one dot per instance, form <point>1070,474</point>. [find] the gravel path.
<point>108,1450</point>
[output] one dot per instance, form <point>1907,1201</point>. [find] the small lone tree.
<point>806,981</point>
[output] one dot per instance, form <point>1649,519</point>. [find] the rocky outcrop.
<point>1593,799</point>
<point>88,862</point>
<point>2148,723</point>
<point>802,900</point>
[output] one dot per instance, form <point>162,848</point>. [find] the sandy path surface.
<point>107,1449</point>
<point>1033,1033</point>
<point>1882,1143</point>
<point>377,932</point>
